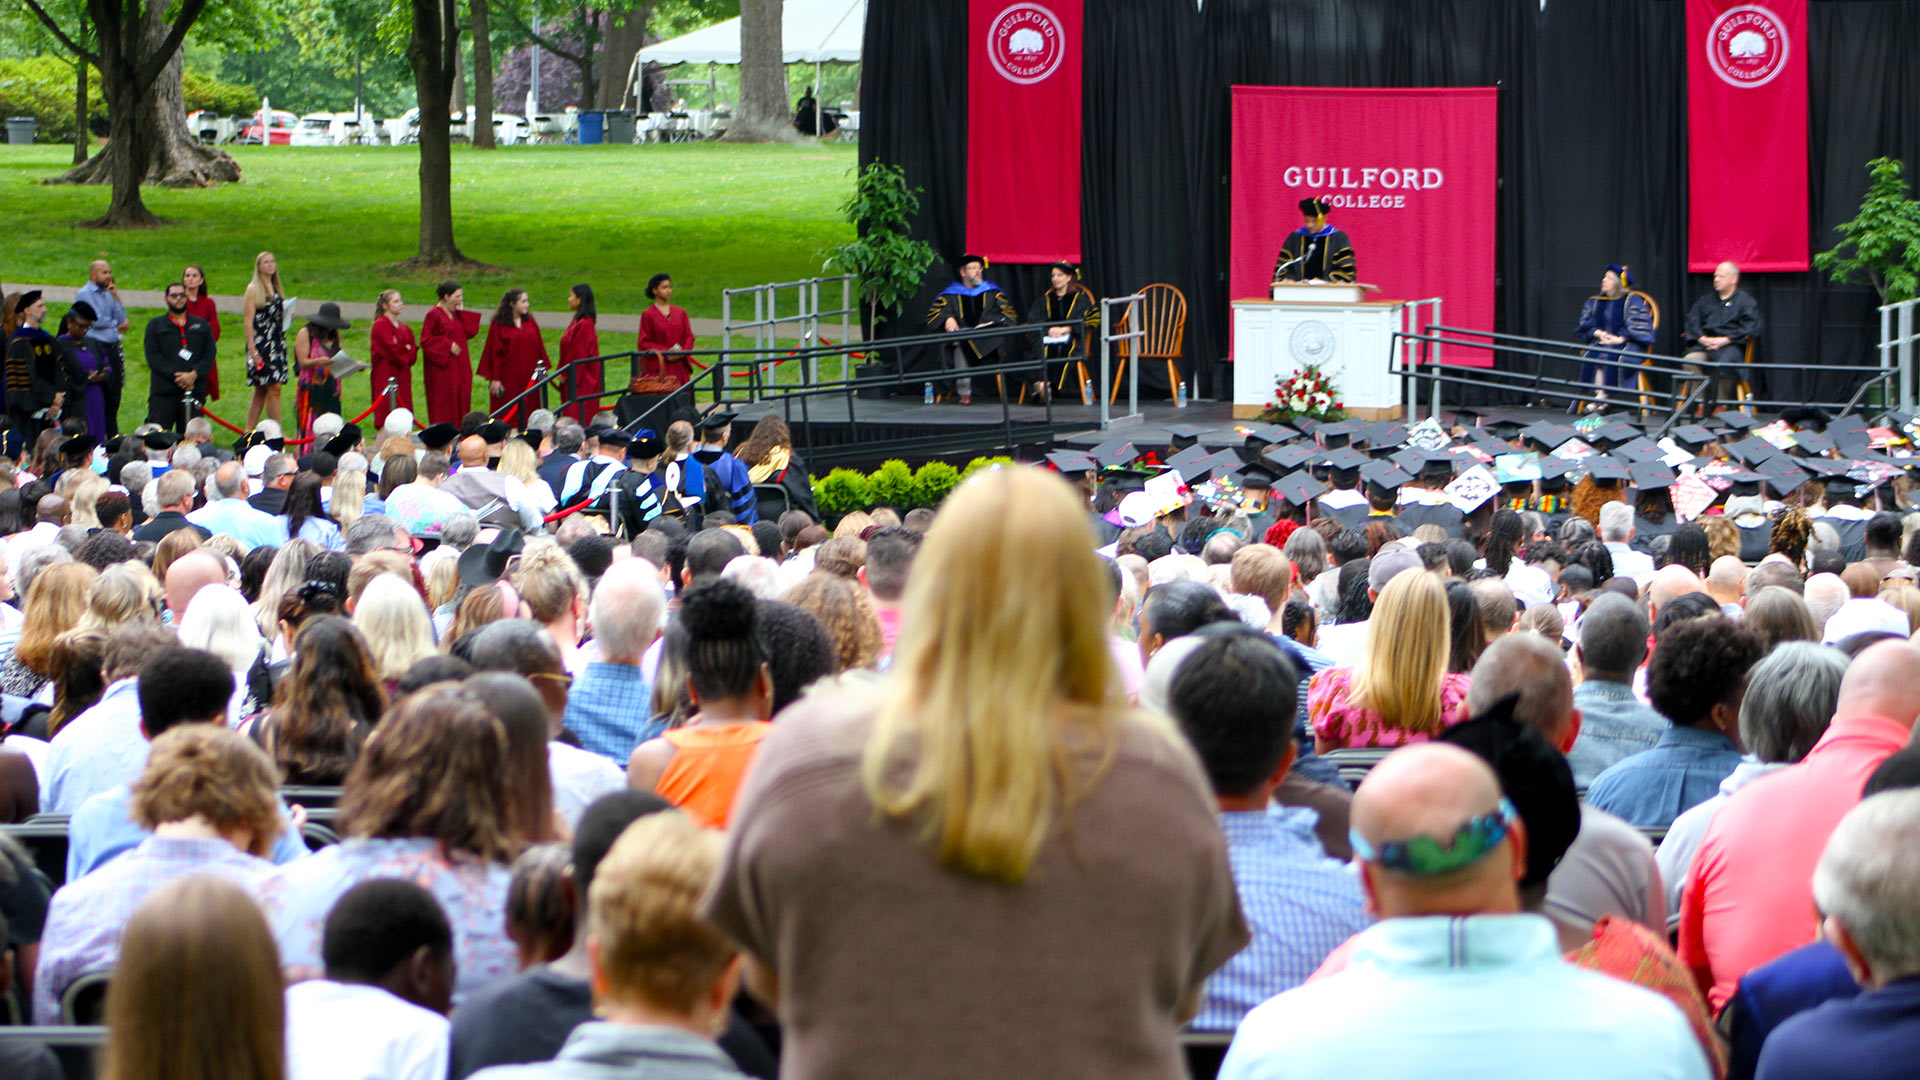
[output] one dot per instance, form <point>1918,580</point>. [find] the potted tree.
<point>886,263</point>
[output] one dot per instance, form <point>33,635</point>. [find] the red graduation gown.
<point>666,335</point>
<point>509,358</point>
<point>391,352</point>
<point>203,307</point>
<point>448,368</point>
<point>580,342</point>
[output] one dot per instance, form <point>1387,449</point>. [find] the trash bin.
<point>620,127</point>
<point>20,130</point>
<point>592,130</point>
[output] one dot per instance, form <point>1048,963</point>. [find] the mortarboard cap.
<point>716,420</point>
<point>1290,457</point>
<point>79,446</point>
<point>1813,442</point>
<point>1384,475</point>
<point>1342,458</point>
<point>1651,476</point>
<point>1604,468</point>
<point>1114,453</point>
<point>1739,421</point>
<point>1071,462</point>
<point>1692,435</point>
<point>340,444</point>
<point>1298,488</point>
<point>493,431</point>
<point>159,440</point>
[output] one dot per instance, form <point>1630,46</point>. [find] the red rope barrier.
<point>308,439</point>
<point>575,508</point>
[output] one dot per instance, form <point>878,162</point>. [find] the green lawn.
<point>715,216</point>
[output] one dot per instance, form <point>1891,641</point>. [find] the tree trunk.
<point>482,77</point>
<point>625,35</point>
<point>433,83</point>
<point>457,99</point>
<point>763,113</point>
<point>175,155</point>
<point>82,138</point>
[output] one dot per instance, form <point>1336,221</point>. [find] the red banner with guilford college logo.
<point>1747,135</point>
<point>1410,176</point>
<point>1023,130</point>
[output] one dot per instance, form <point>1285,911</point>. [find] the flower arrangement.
<point>1306,394</point>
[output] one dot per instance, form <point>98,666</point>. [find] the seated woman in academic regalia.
<point>1315,252</point>
<point>1065,302</point>
<point>1616,319</point>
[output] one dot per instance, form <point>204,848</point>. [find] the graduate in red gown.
<point>391,351</point>
<point>448,367</point>
<point>200,304</point>
<point>513,351</point>
<point>665,332</point>
<point>580,343</point>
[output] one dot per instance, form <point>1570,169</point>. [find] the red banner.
<point>1410,173</point>
<point>1747,135</point>
<point>1023,130</point>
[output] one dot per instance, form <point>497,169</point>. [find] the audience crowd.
<point>554,756</point>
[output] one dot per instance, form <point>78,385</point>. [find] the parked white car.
<point>316,129</point>
<point>212,128</point>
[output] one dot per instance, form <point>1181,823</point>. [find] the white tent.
<point>811,32</point>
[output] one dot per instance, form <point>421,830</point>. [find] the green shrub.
<point>42,87</point>
<point>980,463</point>
<point>891,485</point>
<point>933,482</point>
<point>841,492</point>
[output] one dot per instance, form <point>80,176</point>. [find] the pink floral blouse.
<point>1338,722</point>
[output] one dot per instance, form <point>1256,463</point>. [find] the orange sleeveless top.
<point>707,766</point>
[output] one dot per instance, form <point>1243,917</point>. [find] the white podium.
<point>1334,326</point>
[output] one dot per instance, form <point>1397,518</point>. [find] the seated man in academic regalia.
<point>1618,318</point>
<point>1315,252</point>
<point>1718,327</point>
<point>972,302</point>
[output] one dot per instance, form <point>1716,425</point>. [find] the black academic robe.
<point>1736,318</point>
<point>1328,257</point>
<point>35,372</point>
<point>1077,306</point>
<point>985,306</point>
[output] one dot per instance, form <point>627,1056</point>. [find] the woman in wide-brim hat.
<point>314,348</point>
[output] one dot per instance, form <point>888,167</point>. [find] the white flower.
<point>1299,401</point>
<point>1321,401</point>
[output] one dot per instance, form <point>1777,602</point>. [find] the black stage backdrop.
<point>1592,147</point>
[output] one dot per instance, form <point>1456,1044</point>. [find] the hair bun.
<point>718,611</point>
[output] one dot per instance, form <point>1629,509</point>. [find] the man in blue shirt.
<point>1234,699</point>
<point>103,295</point>
<point>609,706</point>
<point>175,686</point>
<point>1697,679</point>
<point>230,514</point>
<point>1614,724</point>
<point>1454,981</point>
<point>1868,886</point>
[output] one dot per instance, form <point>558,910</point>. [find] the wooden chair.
<point>1163,315</point>
<point>1742,391</point>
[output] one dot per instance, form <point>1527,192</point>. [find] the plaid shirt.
<point>608,709</point>
<point>1300,905</point>
<point>87,917</point>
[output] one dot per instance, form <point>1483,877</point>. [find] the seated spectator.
<point>1726,583</point>
<point>55,601</point>
<point>1789,700</point>
<point>698,767</point>
<point>380,1013</point>
<point>797,649</point>
<point>103,748</point>
<point>175,686</point>
<point>524,648</point>
<point>528,726</point>
<point>1747,899</point>
<point>844,608</point>
<point>1609,870</point>
<point>1467,635</point>
<point>208,797</point>
<point>1696,680</point>
<point>1177,609</point>
<point>665,978</point>
<point>1614,724</point>
<point>1002,670</point>
<point>1499,608</point>
<point>1402,692</point>
<point>1824,594</point>
<point>1864,615</point>
<point>1479,992</point>
<point>1233,698</point>
<point>325,706</point>
<point>197,991</point>
<point>1868,886</point>
<point>540,914</point>
<point>529,1016</point>
<point>1779,615</point>
<point>1616,532</point>
<point>607,707</point>
<point>890,555</point>
<point>396,626</point>
<point>427,802</point>
<point>219,621</point>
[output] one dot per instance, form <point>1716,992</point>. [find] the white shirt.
<point>349,1031</point>
<point>579,777</point>
<point>1627,562</point>
<point>1346,643</point>
<point>42,534</point>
